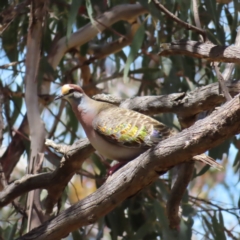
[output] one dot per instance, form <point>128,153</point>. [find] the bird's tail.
<point>208,160</point>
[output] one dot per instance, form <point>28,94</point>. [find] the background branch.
<point>54,182</point>
<point>208,51</point>
<point>36,125</point>
<point>179,21</point>
<point>185,105</point>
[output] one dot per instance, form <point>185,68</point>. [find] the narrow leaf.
<point>90,10</point>
<point>136,44</point>
<point>72,15</point>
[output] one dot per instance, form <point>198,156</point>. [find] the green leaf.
<point>137,212</point>
<point>208,225</point>
<point>98,163</point>
<point>166,65</point>
<point>10,231</point>
<point>145,70</point>
<point>229,16</point>
<point>202,171</point>
<point>142,231</point>
<point>236,162</point>
<point>211,7</point>
<point>135,46</point>
<point>122,55</point>
<point>117,221</point>
<point>218,151</point>
<point>185,231</point>
<point>150,6</point>
<point>44,68</point>
<point>76,235</point>
<point>17,101</point>
<point>218,229</point>
<point>72,15</point>
<point>189,67</point>
<point>10,41</point>
<point>187,209</point>
<point>101,225</point>
<point>160,212</point>
<point>90,11</point>
<point>220,216</point>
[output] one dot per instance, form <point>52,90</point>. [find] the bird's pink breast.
<point>105,148</point>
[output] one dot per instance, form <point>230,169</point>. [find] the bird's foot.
<point>115,167</point>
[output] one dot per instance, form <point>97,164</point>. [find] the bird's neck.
<point>85,110</point>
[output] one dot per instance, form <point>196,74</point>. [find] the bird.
<point>116,133</point>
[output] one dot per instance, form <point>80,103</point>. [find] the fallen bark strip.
<point>208,51</point>
<point>137,174</point>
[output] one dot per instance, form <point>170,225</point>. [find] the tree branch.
<point>230,66</point>
<point>36,125</point>
<point>185,172</point>
<point>134,176</point>
<point>185,105</point>
<point>188,26</point>
<point>72,160</point>
<point>125,12</point>
<point>208,51</point>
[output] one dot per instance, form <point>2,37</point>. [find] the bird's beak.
<point>58,97</point>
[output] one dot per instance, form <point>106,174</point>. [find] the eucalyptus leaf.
<point>134,47</point>
<point>72,15</point>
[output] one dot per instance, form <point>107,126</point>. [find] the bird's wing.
<point>128,128</point>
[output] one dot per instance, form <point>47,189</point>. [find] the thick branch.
<point>36,125</point>
<point>203,135</point>
<point>125,12</point>
<point>184,104</point>
<point>206,50</point>
<point>185,172</point>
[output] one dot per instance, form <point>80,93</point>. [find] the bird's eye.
<point>71,91</point>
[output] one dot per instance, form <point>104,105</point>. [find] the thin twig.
<point>196,16</point>
<point>176,19</point>
<point>222,83</point>
<point>4,66</point>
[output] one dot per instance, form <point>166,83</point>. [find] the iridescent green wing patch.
<point>128,128</point>
<point>123,134</point>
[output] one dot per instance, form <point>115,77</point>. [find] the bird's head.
<point>71,93</point>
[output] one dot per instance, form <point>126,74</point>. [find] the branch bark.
<point>208,51</point>
<point>203,135</point>
<point>186,25</point>
<point>185,105</point>
<point>54,182</point>
<point>125,12</point>
<point>36,125</point>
